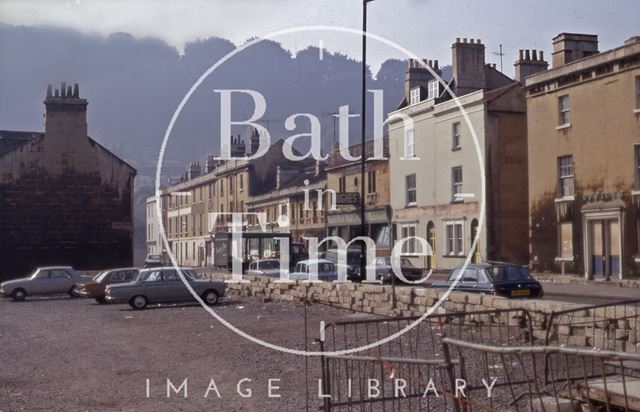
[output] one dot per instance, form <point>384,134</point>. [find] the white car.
<point>48,280</point>
<point>318,269</point>
<point>264,267</point>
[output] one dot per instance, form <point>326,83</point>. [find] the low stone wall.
<point>620,333</point>
<point>568,279</point>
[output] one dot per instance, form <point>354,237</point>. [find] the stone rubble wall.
<point>619,333</point>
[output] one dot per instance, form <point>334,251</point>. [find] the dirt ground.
<point>76,355</point>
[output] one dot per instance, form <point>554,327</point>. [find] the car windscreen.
<point>100,276</point>
<point>269,264</point>
<point>509,274</point>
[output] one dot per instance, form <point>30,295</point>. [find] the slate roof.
<point>11,140</point>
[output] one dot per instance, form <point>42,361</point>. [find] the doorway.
<point>603,248</point>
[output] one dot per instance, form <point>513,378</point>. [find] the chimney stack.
<point>468,68</point>
<point>568,47</point>
<point>211,163</point>
<point>65,113</point>
<point>254,141</point>
<point>238,148</point>
<point>193,170</point>
<point>528,63</point>
<point>278,177</point>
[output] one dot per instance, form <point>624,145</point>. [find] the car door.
<point>469,281</point>
<point>176,290</point>
<point>40,283</point>
<point>153,286</point>
<point>60,281</point>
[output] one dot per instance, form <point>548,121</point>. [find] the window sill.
<point>636,112</point>
<point>455,256</point>
<point>564,126</point>
<point>412,204</point>
<point>565,199</point>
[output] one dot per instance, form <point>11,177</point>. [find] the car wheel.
<point>101,300</point>
<point>73,292</point>
<point>138,302</point>
<point>210,297</point>
<point>19,295</point>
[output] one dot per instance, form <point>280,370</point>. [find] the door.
<point>153,287</point>
<point>60,282</point>
<point>176,290</point>
<point>604,247</point>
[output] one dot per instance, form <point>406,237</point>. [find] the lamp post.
<point>363,225</point>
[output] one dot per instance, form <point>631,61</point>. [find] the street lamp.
<point>363,226</point>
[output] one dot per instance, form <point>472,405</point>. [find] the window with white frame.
<point>409,247</point>
<point>410,187</point>
<point>455,136</point>
<point>409,144</point>
<point>454,242</point>
<point>414,95</point>
<point>565,176</point>
<point>456,183</point>
<point>564,114</point>
<point>432,89</point>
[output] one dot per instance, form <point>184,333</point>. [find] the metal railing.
<point>579,377</point>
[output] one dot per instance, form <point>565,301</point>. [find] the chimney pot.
<point>527,55</point>
<point>479,41</point>
<point>520,54</point>
<point>534,55</point>
<point>57,93</point>
<point>472,41</point>
<point>69,91</point>
<point>541,56</point>
<point>63,88</point>
<point>464,39</point>
<point>457,39</point>
<point>48,90</point>
<point>76,90</point>
<point>435,65</point>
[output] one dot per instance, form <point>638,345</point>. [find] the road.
<point>593,294</point>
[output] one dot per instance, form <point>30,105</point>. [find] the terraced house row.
<point>543,169</point>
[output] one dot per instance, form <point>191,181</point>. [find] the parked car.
<point>354,257</point>
<point>501,279</point>
<point>264,267</point>
<point>95,288</point>
<point>163,285</point>
<point>307,269</point>
<point>48,280</point>
<point>153,261</point>
<point>385,273</point>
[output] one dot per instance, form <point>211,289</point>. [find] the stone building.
<point>64,198</point>
<point>343,176</point>
<point>437,167</point>
<point>222,187</point>
<point>584,159</point>
<point>284,206</point>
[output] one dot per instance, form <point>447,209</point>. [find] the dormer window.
<point>432,90</point>
<point>414,95</point>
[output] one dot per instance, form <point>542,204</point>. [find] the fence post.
<point>449,366</point>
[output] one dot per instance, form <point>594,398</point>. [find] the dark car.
<point>152,261</point>
<point>500,279</point>
<point>354,257</point>
<point>385,273</point>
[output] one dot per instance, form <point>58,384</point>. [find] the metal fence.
<point>415,358</point>
<point>580,378</point>
<point>613,326</point>
<point>452,361</point>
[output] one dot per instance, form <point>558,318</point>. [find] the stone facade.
<point>64,198</point>
<point>437,166</point>
<point>583,121</point>
<point>345,176</point>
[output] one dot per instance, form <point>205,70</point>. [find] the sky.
<point>425,27</point>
